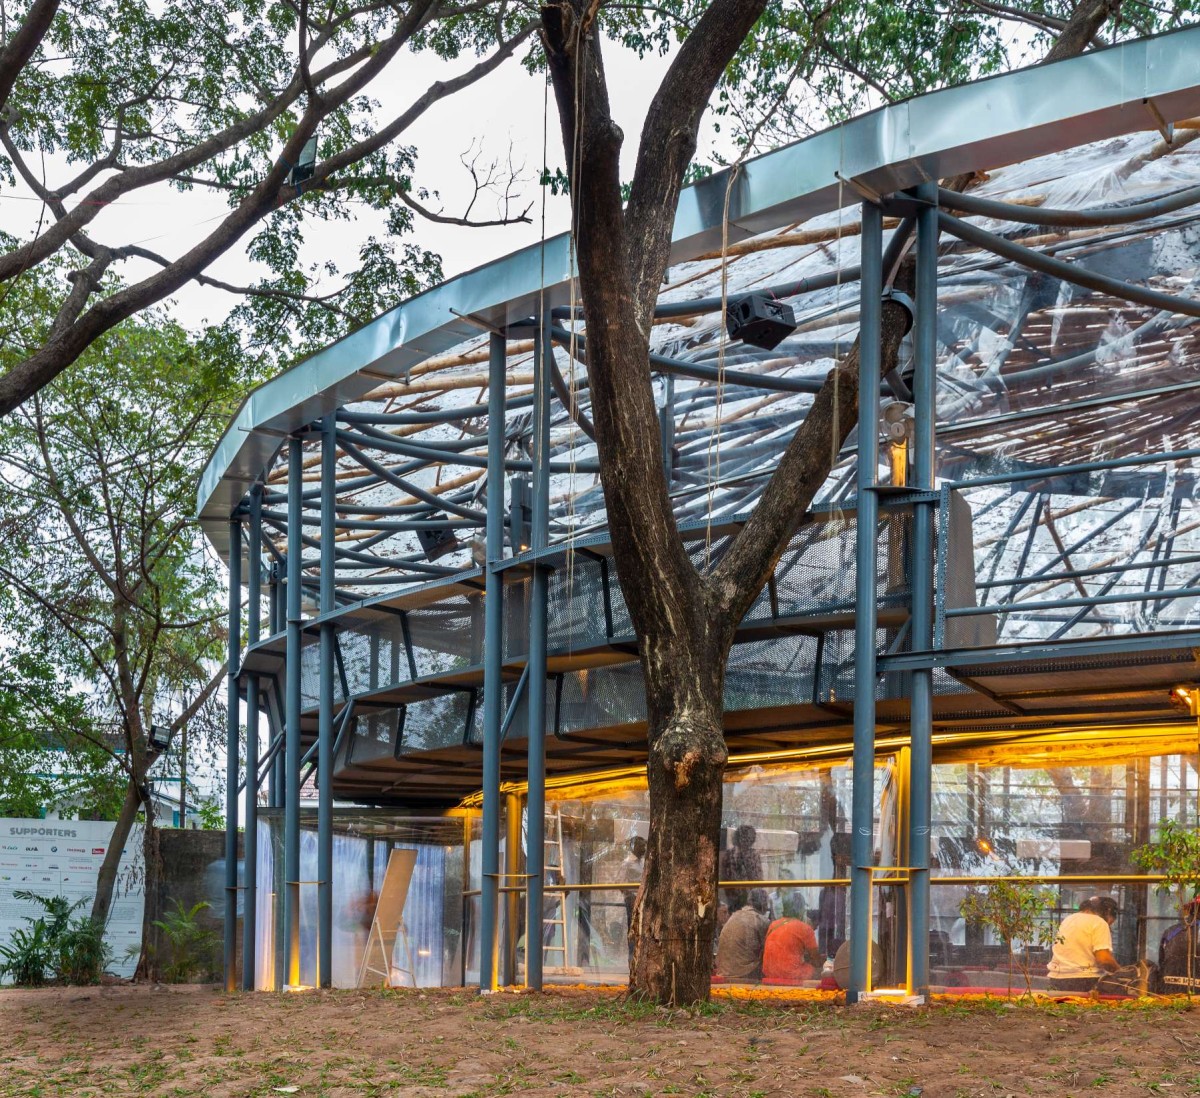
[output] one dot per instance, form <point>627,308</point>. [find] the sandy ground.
<point>409,1044</point>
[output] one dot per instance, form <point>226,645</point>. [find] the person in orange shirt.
<point>790,955</point>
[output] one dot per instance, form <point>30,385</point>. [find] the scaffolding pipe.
<point>921,712</point>
<point>493,667</point>
<point>1044,215</point>
<point>325,707</point>
<point>1068,272</point>
<point>539,590</point>
<point>250,868</point>
<point>866,562</point>
<point>232,750</point>
<point>291,718</point>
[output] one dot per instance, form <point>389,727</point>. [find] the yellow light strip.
<point>633,778</point>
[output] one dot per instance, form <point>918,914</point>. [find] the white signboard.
<point>62,858</point>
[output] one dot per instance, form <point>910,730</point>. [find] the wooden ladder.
<point>554,925</point>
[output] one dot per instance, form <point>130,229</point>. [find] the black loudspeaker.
<point>760,321</point>
<point>436,543</point>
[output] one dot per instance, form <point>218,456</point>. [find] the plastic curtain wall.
<point>994,817</point>
<point>426,951</point>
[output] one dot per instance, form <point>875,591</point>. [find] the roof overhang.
<point>974,127</point>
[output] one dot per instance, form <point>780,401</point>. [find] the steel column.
<point>512,900</point>
<point>325,709</point>
<point>866,562</point>
<point>250,868</point>
<point>275,617</point>
<point>291,718</point>
<point>921,712</point>
<point>232,751</point>
<point>539,537</point>
<point>493,666</point>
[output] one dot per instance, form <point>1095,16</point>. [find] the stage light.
<point>760,321</point>
<point>160,736</point>
<point>437,541</point>
<point>306,163</point>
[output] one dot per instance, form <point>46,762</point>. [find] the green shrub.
<point>193,948</point>
<point>73,951</point>
<point>1016,912</point>
<point>81,953</point>
<point>27,957</point>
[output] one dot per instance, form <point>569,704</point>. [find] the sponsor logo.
<point>97,850</point>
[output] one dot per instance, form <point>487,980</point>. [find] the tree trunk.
<point>107,878</point>
<point>675,914</point>
<point>147,966</point>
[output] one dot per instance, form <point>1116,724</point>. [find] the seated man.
<point>1179,953</point>
<point>790,955</point>
<point>1083,946</point>
<point>740,947</point>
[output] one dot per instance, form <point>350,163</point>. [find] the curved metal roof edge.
<point>981,126</point>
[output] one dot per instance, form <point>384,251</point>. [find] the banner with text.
<point>62,858</point>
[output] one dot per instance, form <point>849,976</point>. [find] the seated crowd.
<point>754,948</point>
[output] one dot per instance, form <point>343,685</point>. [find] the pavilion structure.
<point>1002,569</point>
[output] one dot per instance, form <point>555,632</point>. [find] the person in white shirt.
<point>1083,946</point>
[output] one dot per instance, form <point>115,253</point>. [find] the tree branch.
<point>21,47</point>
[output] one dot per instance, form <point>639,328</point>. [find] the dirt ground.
<point>410,1044</point>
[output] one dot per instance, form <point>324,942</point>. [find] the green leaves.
<point>1175,855</point>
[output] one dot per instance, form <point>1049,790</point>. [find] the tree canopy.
<point>105,575</point>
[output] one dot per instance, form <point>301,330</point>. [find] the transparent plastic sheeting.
<point>362,842</point>
<point>1011,343</point>
<point>1033,374</point>
<point>988,821</point>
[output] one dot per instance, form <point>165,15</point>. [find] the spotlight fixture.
<point>437,541</point>
<point>760,321</point>
<point>898,421</point>
<point>160,736</point>
<point>1187,697</point>
<point>520,513</point>
<point>306,164</point>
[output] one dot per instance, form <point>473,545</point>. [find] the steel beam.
<point>325,707</point>
<point>493,668</point>
<point>291,718</point>
<point>923,471</point>
<point>866,561</point>
<point>232,751</point>
<point>250,870</point>
<point>539,589</point>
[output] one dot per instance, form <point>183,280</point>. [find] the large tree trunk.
<point>107,878</point>
<point>674,917</point>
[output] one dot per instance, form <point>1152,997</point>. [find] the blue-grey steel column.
<point>862,811</point>
<point>535,689</point>
<point>493,666</point>
<point>250,842</point>
<point>325,708</point>
<point>232,751</point>
<point>291,718</point>
<point>921,713</point>
<point>275,625</point>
